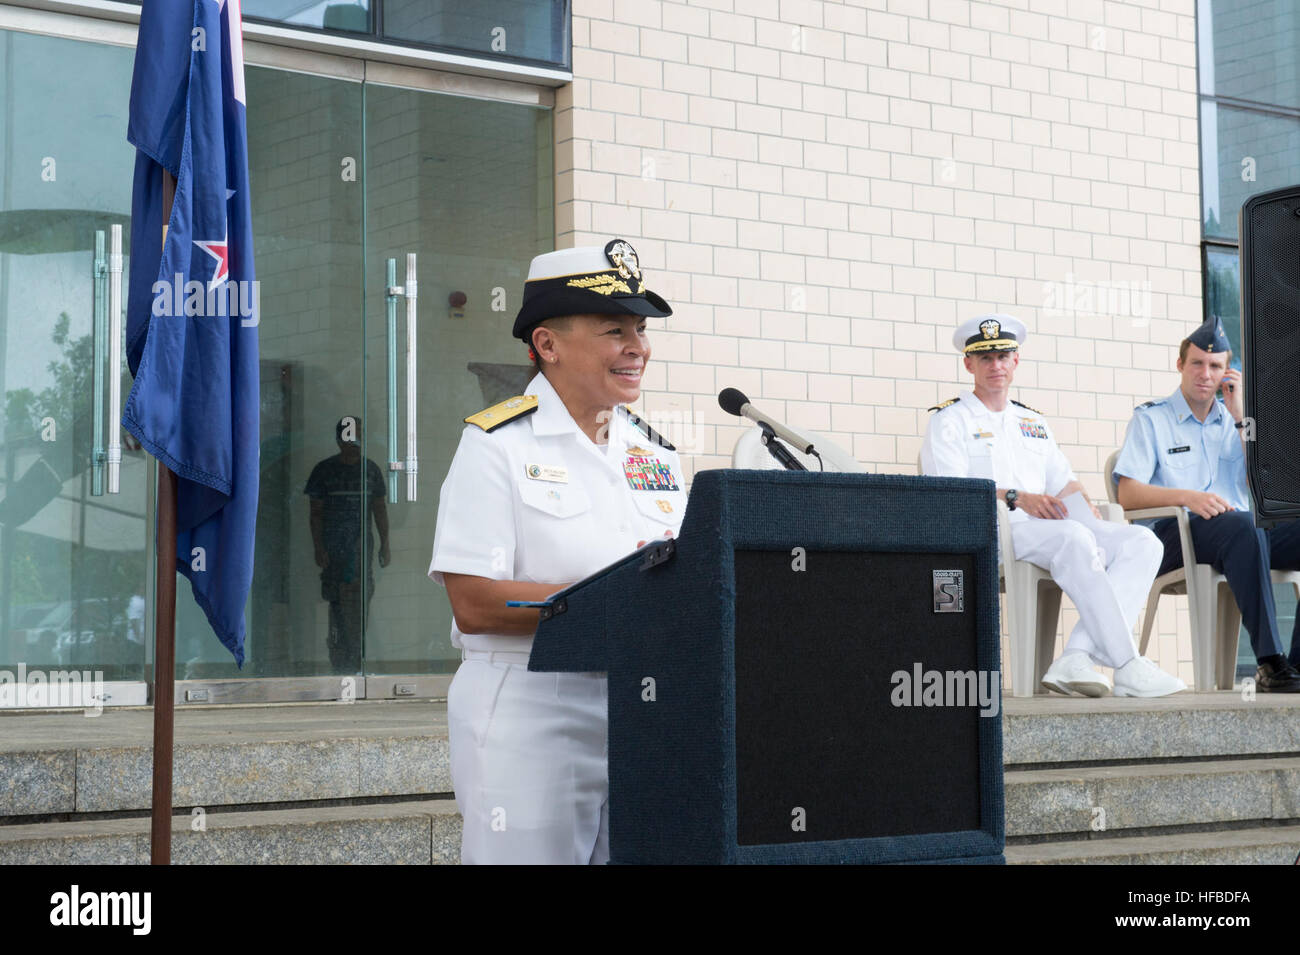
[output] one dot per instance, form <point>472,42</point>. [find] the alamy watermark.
<point>223,299</point>
<point>35,688</point>
<point>922,687</point>
<point>1086,297</point>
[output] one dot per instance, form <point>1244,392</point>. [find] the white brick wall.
<point>824,189</point>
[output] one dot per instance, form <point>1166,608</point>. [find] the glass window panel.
<point>511,29</point>
<point>305,169</point>
<point>1253,50</point>
<point>350,15</point>
<point>1243,152</point>
<point>1223,294</point>
<point>73,564</point>
<point>467,186</point>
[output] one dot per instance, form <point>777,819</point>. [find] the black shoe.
<point>1277,678</point>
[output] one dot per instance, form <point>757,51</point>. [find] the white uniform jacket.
<point>1014,448</point>
<point>535,500</point>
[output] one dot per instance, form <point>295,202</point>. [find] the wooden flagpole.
<point>164,657</point>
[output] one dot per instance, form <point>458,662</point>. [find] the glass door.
<point>459,194</point>
<point>74,528</point>
<point>306,169</point>
<point>347,176</point>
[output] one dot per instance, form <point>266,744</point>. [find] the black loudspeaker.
<point>1270,332</point>
<point>823,658</point>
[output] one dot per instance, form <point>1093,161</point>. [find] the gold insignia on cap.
<point>991,328</point>
<point>606,283</point>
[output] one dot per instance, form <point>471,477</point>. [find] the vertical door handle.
<point>391,291</point>
<point>412,456</point>
<point>409,290</point>
<point>106,462</point>
<point>115,359</point>
<point>99,308</point>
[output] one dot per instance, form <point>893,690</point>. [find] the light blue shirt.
<point>1167,447</point>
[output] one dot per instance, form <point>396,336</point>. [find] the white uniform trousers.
<point>1106,574</point>
<point>528,763</point>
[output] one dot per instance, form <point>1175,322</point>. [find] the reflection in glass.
<point>72,563</point>
<point>305,168</point>
<point>466,185</point>
<point>513,29</point>
<point>347,493</point>
<point>350,15</point>
<point>1250,51</point>
<point>1223,294</point>
<point>1243,152</point>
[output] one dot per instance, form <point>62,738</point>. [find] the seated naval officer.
<point>1106,570</point>
<point>545,489</point>
<point>1186,450</point>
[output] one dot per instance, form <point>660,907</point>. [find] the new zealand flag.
<point>192,307</point>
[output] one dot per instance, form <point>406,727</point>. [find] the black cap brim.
<point>555,303</point>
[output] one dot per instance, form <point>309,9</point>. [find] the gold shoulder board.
<point>489,419</point>
<point>944,404</point>
<point>1025,406</point>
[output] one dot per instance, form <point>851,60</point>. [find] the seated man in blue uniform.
<point>1186,450</point>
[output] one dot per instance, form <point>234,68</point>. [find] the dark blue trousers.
<point>1243,553</point>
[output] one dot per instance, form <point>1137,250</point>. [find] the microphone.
<point>733,401</point>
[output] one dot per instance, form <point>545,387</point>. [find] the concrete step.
<point>52,763</point>
<point>412,833</point>
<point>1042,731</point>
<point>1271,845</point>
<point>1147,795</point>
<point>234,755</point>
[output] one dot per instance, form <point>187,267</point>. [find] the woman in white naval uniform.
<point>1106,570</point>
<point>545,489</point>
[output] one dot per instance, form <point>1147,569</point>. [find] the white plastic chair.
<point>750,453</point>
<point>1212,609</point>
<point>1034,606</point>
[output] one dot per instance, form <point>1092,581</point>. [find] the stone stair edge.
<point>1151,769</point>
<point>1283,840</point>
<point>232,819</point>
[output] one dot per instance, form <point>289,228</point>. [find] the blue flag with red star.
<point>192,304</point>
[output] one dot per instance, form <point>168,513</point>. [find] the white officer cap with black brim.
<point>588,280</point>
<point>993,332</point>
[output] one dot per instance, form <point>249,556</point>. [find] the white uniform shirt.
<point>1013,448</point>
<point>498,520</point>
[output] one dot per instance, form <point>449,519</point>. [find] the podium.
<point>809,673</point>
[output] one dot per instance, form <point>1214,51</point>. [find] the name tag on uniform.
<point>1185,447</point>
<point>547,472</point>
<point>981,433</point>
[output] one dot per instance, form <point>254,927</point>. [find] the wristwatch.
<point>1012,497</point>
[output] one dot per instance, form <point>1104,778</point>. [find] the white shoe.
<point>1141,677</point>
<point>1074,672</point>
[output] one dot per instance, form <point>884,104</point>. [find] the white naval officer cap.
<point>992,332</point>
<point>586,280</point>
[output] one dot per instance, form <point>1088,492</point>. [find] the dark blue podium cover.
<point>662,623</point>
